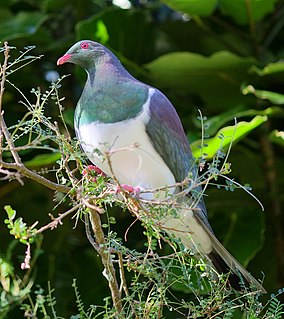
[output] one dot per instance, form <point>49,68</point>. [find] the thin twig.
<point>3,73</point>
<point>58,220</point>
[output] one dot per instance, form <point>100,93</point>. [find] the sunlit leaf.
<point>225,137</point>
<point>214,123</point>
<point>273,97</point>
<point>277,137</point>
<point>10,212</point>
<point>270,68</point>
<point>101,32</point>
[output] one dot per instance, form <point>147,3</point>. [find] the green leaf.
<point>270,68</point>
<point>247,11</point>
<point>225,137</point>
<point>43,159</point>
<point>187,72</point>
<point>21,25</point>
<point>273,97</point>
<point>10,212</point>
<point>233,222</point>
<point>193,7</point>
<point>214,123</point>
<point>277,137</point>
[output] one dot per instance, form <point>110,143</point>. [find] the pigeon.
<point>138,125</point>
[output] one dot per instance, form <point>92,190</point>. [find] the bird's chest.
<point>131,155</point>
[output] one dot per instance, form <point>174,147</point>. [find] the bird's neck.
<point>107,70</point>
<point>110,95</point>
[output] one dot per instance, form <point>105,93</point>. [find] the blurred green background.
<point>223,57</point>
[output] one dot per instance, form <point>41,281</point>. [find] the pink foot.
<point>128,189</point>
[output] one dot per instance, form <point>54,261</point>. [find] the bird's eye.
<point>84,45</point>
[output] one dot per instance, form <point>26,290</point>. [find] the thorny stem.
<point>106,259</point>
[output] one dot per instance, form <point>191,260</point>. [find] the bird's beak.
<point>65,58</point>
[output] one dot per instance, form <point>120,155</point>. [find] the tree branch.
<point>36,177</point>
<point>106,259</point>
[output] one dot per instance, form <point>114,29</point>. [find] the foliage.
<point>223,57</point>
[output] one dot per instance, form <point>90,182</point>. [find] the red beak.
<point>66,57</point>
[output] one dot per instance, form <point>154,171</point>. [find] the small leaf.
<point>10,212</point>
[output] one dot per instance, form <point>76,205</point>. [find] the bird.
<point>138,125</point>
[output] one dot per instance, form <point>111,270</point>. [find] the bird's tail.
<point>195,233</point>
<point>225,263</point>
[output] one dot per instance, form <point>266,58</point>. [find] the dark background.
<point>202,56</point>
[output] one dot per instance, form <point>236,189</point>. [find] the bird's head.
<point>84,53</point>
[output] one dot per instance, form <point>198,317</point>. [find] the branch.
<point>3,73</point>
<point>36,177</point>
<point>106,259</point>
<point>57,220</point>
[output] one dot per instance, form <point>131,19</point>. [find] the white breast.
<point>133,158</point>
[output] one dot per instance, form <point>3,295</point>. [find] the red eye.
<point>84,45</point>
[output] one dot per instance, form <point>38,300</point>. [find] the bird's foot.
<point>91,171</point>
<point>135,190</point>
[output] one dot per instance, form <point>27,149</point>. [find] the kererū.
<point>149,148</point>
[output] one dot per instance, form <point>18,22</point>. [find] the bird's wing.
<point>168,138</point>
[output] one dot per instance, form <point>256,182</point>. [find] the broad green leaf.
<point>273,97</point>
<point>214,123</point>
<point>277,137</point>
<point>246,11</point>
<point>233,221</point>
<point>10,212</point>
<point>225,137</point>
<point>21,25</point>
<point>247,246</point>
<point>215,79</point>
<point>193,7</point>
<point>43,159</point>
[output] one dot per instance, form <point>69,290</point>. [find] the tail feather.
<point>225,263</point>
<point>235,281</point>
